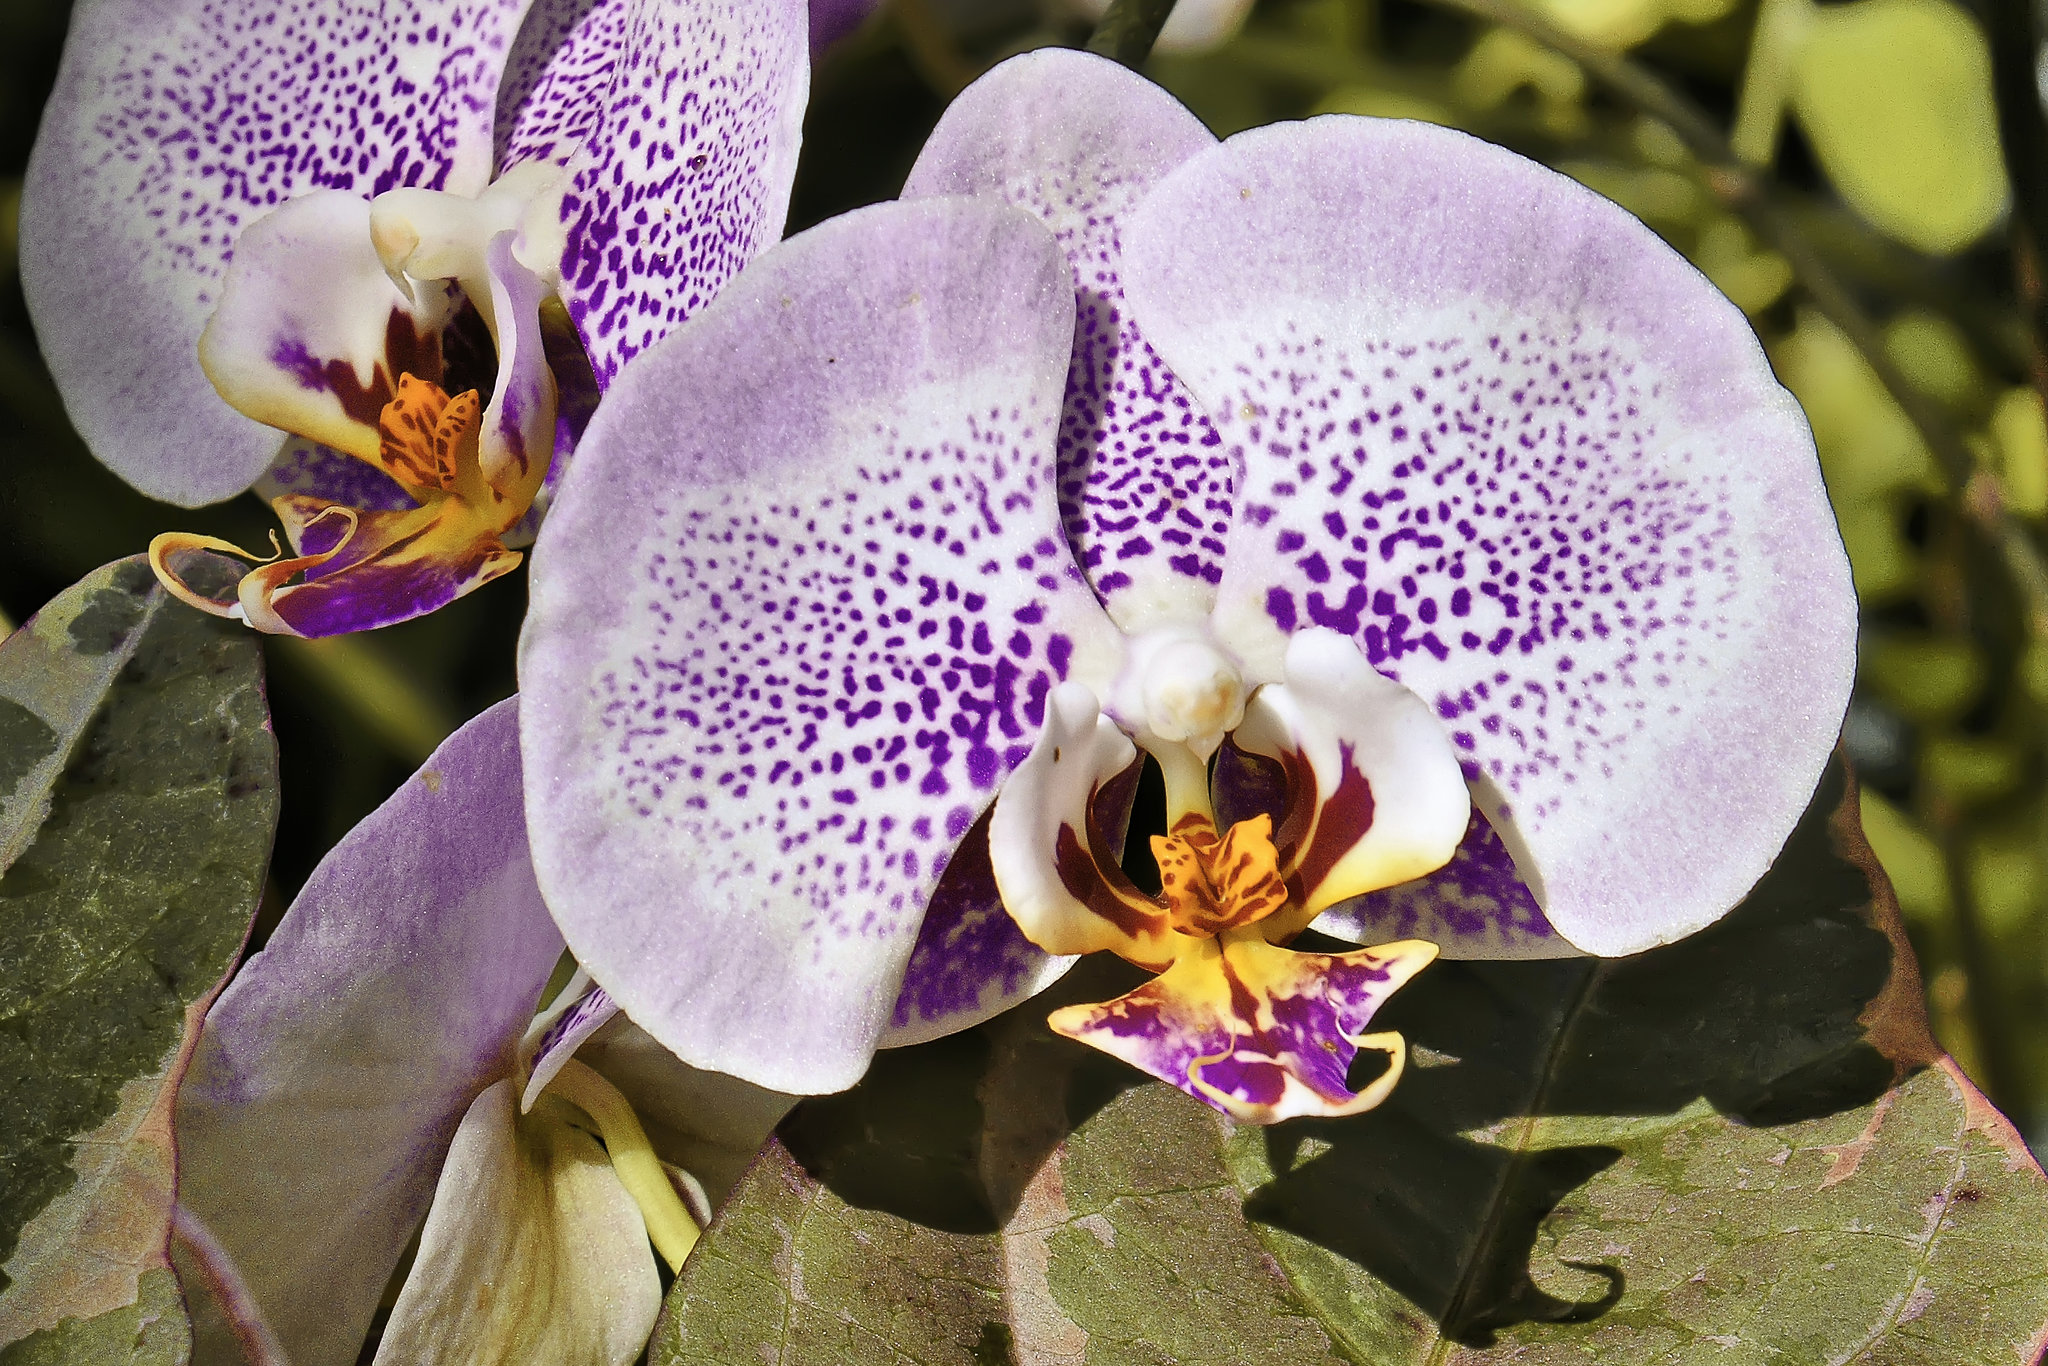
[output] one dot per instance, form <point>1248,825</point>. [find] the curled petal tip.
<point>260,585</point>
<point>1260,1033</point>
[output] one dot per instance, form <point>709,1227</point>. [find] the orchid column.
<point>1344,467</point>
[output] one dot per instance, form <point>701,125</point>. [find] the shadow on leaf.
<point>1441,1192</point>
<point>1771,1016</point>
<point>948,1133</point>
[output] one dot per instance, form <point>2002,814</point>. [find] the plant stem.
<point>2023,136</point>
<point>1128,30</point>
<point>931,48</point>
<point>1983,1002</point>
<point>1767,78</point>
<point>1750,193</point>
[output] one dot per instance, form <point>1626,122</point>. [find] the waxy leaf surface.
<point>1741,1147</point>
<point>138,797</point>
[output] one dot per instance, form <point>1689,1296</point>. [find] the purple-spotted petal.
<point>311,336</point>
<point>532,1251</point>
<point>1503,437</point>
<point>173,126</point>
<point>557,78</point>
<point>971,962</point>
<point>1261,1033</point>
<point>1374,795</point>
<point>686,176</point>
<point>1475,906</point>
<point>795,613</point>
<point>1144,483</point>
<point>335,1067</point>
<point>555,1035</point>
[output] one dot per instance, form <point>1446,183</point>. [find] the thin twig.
<point>1983,1002</point>
<point>2023,135</point>
<point>1750,193</point>
<point>1128,30</point>
<point>216,1266</point>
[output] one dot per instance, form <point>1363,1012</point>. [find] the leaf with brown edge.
<point>137,820</point>
<point>1742,1143</point>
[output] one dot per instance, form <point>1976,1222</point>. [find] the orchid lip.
<point>352,359</point>
<point>1373,795</point>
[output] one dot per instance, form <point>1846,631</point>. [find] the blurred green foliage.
<point>1856,207</point>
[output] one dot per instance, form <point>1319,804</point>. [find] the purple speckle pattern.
<point>971,962</point>
<point>172,126</point>
<point>560,1040</point>
<point>1475,906</point>
<point>686,176</point>
<point>1518,501</point>
<point>1145,483</point>
<point>308,468</point>
<point>795,614</point>
<point>1567,505</point>
<point>556,79</point>
<point>890,664</point>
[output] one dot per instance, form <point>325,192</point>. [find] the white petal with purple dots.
<point>1520,451</point>
<point>795,613</point>
<point>686,175</point>
<point>176,123</point>
<point>1144,482</point>
<point>557,76</point>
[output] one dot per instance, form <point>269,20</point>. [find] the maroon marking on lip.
<point>407,351</point>
<point>1298,805</point>
<point>1105,890</point>
<point>1341,824</point>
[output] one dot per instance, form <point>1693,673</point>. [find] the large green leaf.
<point>1895,97</point>
<point>1744,1147</point>
<point>138,796</point>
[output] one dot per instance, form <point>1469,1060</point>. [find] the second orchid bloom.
<point>408,244</point>
<point>1441,535</point>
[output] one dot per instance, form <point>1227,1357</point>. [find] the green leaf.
<point>153,1331</point>
<point>140,796</point>
<point>1895,96</point>
<point>1744,1141</point>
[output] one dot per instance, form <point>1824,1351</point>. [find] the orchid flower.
<point>380,1058</point>
<point>418,236</point>
<point>1410,506</point>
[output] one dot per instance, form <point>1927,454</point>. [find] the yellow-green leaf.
<point>1747,1140</point>
<point>1895,96</point>
<point>138,797</point>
